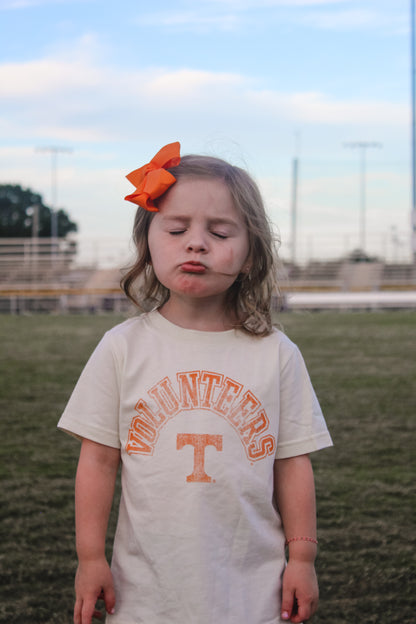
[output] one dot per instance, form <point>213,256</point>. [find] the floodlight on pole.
<point>54,151</point>
<point>363,146</point>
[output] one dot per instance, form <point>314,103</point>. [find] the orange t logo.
<point>199,441</point>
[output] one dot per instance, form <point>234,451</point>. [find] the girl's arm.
<point>94,490</point>
<point>295,497</point>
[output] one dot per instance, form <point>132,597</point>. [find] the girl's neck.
<point>199,315</point>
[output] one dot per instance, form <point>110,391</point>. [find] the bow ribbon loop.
<point>152,180</point>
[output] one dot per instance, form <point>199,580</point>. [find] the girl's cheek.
<point>229,257</point>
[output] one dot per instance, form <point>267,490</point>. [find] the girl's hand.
<point>93,581</point>
<point>300,591</point>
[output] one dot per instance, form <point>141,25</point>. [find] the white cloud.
<point>347,15</point>
<point>323,109</point>
<point>255,4</point>
<point>192,20</point>
<point>62,70</point>
<point>11,5</point>
<point>82,100</point>
<point>186,83</point>
<point>114,118</point>
<point>357,19</point>
<point>222,15</point>
<point>45,77</point>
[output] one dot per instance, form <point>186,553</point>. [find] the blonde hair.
<point>249,298</point>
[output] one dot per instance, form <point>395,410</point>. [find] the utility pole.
<point>363,146</point>
<point>413,176</point>
<point>54,151</point>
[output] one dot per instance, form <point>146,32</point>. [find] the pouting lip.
<point>192,266</point>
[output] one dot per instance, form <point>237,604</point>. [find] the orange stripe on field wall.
<point>57,292</point>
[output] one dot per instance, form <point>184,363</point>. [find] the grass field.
<point>364,371</point>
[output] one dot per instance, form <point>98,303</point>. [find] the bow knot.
<point>152,180</point>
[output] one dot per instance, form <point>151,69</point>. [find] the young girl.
<point>211,413</point>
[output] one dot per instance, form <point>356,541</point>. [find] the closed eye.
<point>176,232</point>
<point>219,235</point>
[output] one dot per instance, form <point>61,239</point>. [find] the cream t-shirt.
<point>199,418</point>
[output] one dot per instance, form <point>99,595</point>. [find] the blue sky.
<point>253,81</point>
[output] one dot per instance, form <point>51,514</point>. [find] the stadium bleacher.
<point>38,275</point>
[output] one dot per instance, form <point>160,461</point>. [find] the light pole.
<point>362,146</point>
<point>294,199</point>
<point>294,210</point>
<point>54,151</point>
<point>413,176</point>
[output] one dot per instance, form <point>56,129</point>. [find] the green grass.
<point>363,368</point>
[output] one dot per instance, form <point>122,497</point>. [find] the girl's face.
<point>198,241</point>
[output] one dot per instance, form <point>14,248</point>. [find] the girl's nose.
<point>196,242</point>
<point>196,246</point>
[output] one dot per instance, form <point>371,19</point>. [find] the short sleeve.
<point>93,408</point>
<point>302,427</point>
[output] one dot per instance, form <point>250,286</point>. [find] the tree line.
<point>23,214</point>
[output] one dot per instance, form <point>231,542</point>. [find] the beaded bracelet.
<point>301,539</point>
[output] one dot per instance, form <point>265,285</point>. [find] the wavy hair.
<point>249,297</point>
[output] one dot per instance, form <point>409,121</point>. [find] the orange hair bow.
<point>152,180</point>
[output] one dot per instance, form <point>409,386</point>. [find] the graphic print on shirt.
<point>199,441</point>
<point>201,390</point>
